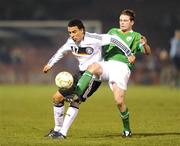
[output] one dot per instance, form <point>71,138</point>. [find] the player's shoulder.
<point>137,33</point>
<point>93,35</point>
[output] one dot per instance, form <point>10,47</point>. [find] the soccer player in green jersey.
<point>115,68</point>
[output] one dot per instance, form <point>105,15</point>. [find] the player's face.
<point>125,23</point>
<point>76,34</point>
<point>177,34</point>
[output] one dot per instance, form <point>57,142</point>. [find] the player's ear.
<point>132,22</point>
<point>82,30</point>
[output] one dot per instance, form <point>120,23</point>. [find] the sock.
<point>83,83</point>
<point>125,119</point>
<point>58,117</point>
<point>68,120</point>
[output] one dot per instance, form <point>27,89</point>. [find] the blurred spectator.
<point>166,73</point>
<point>4,55</point>
<point>175,55</point>
<point>16,56</point>
<point>17,59</point>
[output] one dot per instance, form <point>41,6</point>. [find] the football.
<point>64,80</point>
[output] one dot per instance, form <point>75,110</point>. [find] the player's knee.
<point>59,104</point>
<point>75,104</point>
<point>119,100</point>
<point>95,69</point>
<point>119,103</point>
<point>57,98</point>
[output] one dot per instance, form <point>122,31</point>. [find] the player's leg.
<point>83,83</point>
<point>93,86</point>
<point>124,113</point>
<point>71,114</point>
<point>118,79</point>
<point>58,107</point>
<point>72,110</point>
<point>58,101</point>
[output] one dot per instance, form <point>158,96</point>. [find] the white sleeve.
<point>117,41</point>
<point>59,54</point>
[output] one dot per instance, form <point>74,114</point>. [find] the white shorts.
<point>115,72</point>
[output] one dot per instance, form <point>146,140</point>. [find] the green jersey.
<point>132,39</point>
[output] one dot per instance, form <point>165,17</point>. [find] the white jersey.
<point>88,50</point>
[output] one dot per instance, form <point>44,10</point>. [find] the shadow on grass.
<point>135,135</point>
<point>147,134</point>
<point>155,134</point>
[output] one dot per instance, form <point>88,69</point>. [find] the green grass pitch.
<point>26,115</point>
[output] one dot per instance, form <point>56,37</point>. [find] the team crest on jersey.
<point>89,50</point>
<point>82,51</point>
<point>129,38</point>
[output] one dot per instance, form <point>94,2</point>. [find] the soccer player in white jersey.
<point>115,68</point>
<point>87,49</point>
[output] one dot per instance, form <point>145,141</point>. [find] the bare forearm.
<point>147,49</point>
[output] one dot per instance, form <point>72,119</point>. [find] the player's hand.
<point>131,59</point>
<point>143,40</point>
<point>46,68</point>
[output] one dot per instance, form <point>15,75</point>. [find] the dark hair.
<point>76,22</point>
<point>130,13</point>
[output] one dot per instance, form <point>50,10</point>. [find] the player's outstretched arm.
<point>123,46</point>
<point>118,42</point>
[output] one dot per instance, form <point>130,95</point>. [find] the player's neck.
<point>126,31</point>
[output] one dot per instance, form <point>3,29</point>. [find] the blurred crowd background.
<point>31,32</point>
